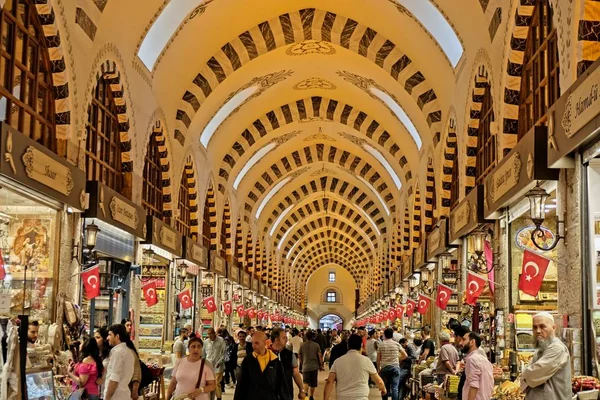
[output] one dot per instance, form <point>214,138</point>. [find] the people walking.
<point>179,345</point>
<point>311,359</point>
<point>296,341</point>
<point>351,372</point>
<point>428,346</point>
<point>372,346</point>
<point>479,381</point>
<point>231,351</point>
<point>120,366</point>
<point>339,349</point>
<point>214,352</point>
<point>193,377</point>
<point>288,361</point>
<point>321,340</point>
<point>389,355</point>
<point>447,359</point>
<point>84,374</point>
<point>262,376</point>
<point>406,366</point>
<point>548,376</point>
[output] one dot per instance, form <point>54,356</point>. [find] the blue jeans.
<point>402,389</point>
<point>391,377</point>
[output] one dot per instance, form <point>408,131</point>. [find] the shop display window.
<point>152,319</point>
<point>28,247</point>
<point>594,262</point>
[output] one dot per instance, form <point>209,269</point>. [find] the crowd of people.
<point>264,363</point>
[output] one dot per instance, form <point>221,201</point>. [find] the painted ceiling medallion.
<point>314,83</point>
<point>310,47</point>
<point>319,136</point>
<point>311,119</point>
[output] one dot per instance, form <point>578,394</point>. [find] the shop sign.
<point>437,241</point>
<point>398,278</point>
<point>218,265</point>
<point>467,215</point>
<point>518,172</point>
<point>255,285</point>
<point>461,216</point>
<point>234,272</point>
<point>113,208</point>
<point>246,280</point>
<point>419,256</point>
<point>162,235</point>
<point>192,269</point>
<point>406,268</point>
<point>583,104</point>
<point>30,163</point>
<point>194,252</point>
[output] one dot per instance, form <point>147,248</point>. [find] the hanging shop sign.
<point>217,265</point>
<point>518,172</point>
<point>195,252</point>
<point>113,208</point>
<point>263,289</point>
<point>467,215</point>
<point>255,285</point>
<point>419,260</point>
<point>391,281</point>
<point>406,267</point>
<point>437,241</point>
<point>246,279</point>
<point>234,272</point>
<point>271,294</point>
<point>28,162</point>
<point>398,277</point>
<point>574,119</point>
<point>162,235</point>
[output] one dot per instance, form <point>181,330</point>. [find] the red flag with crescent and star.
<point>410,307</point>
<point>261,314</point>
<point>149,291</point>
<point>227,307</point>
<point>443,296</point>
<point>392,314</point>
<point>251,313</point>
<point>399,311</point>
<point>240,310</point>
<point>475,286</point>
<point>185,299</point>
<point>423,304</point>
<point>91,281</point>
<point>209,304</point>
<point>532,272</point>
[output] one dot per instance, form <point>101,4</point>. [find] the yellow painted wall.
<point>316,287</point>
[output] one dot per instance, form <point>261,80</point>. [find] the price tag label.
<point>4,303</point>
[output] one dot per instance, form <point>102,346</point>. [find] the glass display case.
<point>152,319</point>
<point>40,384</point>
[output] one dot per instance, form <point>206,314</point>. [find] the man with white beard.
<point>548,375</point>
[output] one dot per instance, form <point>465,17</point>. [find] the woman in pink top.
<point>85,373</point>
<point>186,373</point>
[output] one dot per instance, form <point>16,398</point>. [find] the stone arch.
<point>326,259</point>
<point>417,221</point>
<point>430,197</point>
<point>210,212</point>
<point>226,230</point>
<point>338,298</point>
<point>447,167</point>
<point>295,28</point>
<point>406,246</point>
<point>165,165</point>
<point>318,248</point>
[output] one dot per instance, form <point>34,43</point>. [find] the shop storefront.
<point>506,190</point>
<point>218,267</point>
<point>575,144</point>
<point>422,273</point>
<point>194,262</point>
<point>255,301</point>
<point>473,235</point>
<point>38,193</point>
<point>237,294</point>
<point>405,275</point>
<point>118,223</point>
<point>161,249</point>
<point>441,254</point>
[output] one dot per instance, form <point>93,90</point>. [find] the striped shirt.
<point>389,351</point>
<point>241,353</point>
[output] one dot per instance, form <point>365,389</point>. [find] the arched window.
<point>486,141</point>
<point>206,224</point>
<point>103,144</point>
<point>454,184</point>
<point>332,295</point>
<point>152,190</point>
<point>540,76</point>
<point>183,220</point>
<point>26,88</point>
<point>239,243</point>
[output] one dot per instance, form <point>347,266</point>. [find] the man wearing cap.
<point>548,376</point>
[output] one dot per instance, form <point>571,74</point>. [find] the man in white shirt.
<point>296,342</point>
<point>214,352</point>
<point>352,372</point>
<point>120,365</point>
<point>397,335</point>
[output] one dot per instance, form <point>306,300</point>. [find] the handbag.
<point>185,396</point>
<point>78,394</point>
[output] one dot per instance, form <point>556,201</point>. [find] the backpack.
<point>147,377</point>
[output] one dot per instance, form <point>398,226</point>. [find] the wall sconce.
<point>424,284</point>
<point>179,281</point>
<point>479,262</point>
<point>91,235</point>
<point>537,212</point>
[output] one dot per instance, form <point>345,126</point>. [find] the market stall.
<point>218,266</point>
<point>194,260</point>
<point>236,293</point>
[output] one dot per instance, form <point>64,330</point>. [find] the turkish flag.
<point>251,313</point>
<point>261,314</point>
<point>210,304</point>
<point>475,286</point>
<point>91,282</point>
<point>227,307</point>
<point>240,310</point>
<point>443,296</point>
<point>399,311</point>
<point>532,272</point>
<point>185,299</point>
<point>149,291</point>
<point>392,314</point>
<point>410,307</point>
<point>423,304</point>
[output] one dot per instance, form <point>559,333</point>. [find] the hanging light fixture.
<point>537,212</point>
<point>478,260</point>
<point>179,281</point>
<point>91,235</point>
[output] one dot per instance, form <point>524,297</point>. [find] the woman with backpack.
<point>85,373</point>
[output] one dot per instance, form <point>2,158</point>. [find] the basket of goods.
<point>508,391</point>
<point>155,369</point>
<point>452,382</point>
<point>585,383</point>
<point>588,395</point>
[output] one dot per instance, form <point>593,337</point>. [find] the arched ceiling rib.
<point>325,235</point>
<point>305,271</point>
<point>339,249</point>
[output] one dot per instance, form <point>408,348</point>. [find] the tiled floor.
<point>375,394</point>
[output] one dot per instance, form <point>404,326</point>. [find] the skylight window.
<point>224,112</point>
<point>437,25</point>
<point>283,214</point>
<point>375,192</point>
<point>253,160</point>
<point>163,28</point>
<point>375,153</point>
<point>270,195</point>
<point>396,109</point>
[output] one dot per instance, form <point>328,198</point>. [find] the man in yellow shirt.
<point>262,376</point>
